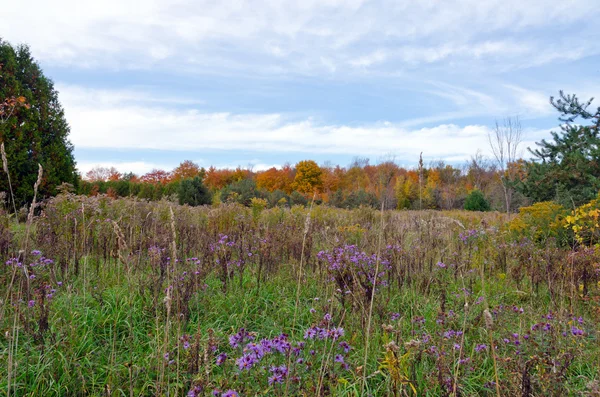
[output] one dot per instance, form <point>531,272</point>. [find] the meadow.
<point>124,297</point>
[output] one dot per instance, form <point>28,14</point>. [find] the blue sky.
<point>263,82</point>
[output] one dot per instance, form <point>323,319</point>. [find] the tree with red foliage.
<point>156,177</point>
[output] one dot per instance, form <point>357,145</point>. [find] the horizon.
<point>264,84</point>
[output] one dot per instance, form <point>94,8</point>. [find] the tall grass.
<point>136,298</point>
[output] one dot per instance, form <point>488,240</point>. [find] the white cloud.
<point>137,167</point>
<point>533,102</point>
<point>290,35</point>
<point>103,124</point>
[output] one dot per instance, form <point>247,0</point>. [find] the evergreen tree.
<point>476,201</point>
<point>193,192</point>
<point>567,169</point>
<point>36,133</point>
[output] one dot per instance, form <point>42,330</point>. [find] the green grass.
<point>108,333</point>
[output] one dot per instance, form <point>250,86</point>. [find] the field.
<point>125,298</point>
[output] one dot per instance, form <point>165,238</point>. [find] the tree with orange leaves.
<point>186,170</point>
<point>309,177</point>
<point>274,179</point>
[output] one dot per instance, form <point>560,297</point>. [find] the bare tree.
<point>504,142</point>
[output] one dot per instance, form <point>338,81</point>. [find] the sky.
<point>260,83</point>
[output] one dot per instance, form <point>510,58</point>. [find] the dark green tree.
<point>476,201</point>
<point>241,192</point>
<point>361,198</point>
<point>36,133</point>
<point>567,168</point>
<point>193,192</point>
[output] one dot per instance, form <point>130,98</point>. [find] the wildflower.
<point>247,361</point>
<point>576,331</point>
<point>230,393</point>
<point>195,391</point>
<point>312,310</point>
<point>339,358</point>
<point>310,333</point>
<point>480,347</point>
<point>31,303</point>
<point>221,358</point>
<point>394,316</point>
<point>344,346</point>
<point>336,333</point>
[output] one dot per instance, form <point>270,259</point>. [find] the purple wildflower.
<point>480,347</point>
<point>221,358</point>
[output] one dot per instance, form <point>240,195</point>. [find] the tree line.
<point>565,168</point>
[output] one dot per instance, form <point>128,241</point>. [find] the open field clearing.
<point>124,297</point>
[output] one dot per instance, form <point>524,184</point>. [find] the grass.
<point>108,328</point>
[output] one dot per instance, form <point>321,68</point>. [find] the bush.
<point>241,192</point>
<point>541,221</point>
<point>476,201</point>
<point>193,192</point>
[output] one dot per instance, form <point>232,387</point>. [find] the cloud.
<point>533,102</point>
<point>97,124</point>
<point>311,36</point>
<point>137,167</point>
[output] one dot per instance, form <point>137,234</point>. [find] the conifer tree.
<point>35,133</point>
<point>567,169</point>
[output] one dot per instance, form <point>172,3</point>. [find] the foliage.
<point>309,177</point>
<point>241,192</point>
<point>567,168</point>
<point>541,221</point>
<point>476,201</point>
<point>361,198</point>
<point>187,170</point>
<point>193,192</point>
<point>36,132</point>
<point>584,223</point>
<point>152,298</point>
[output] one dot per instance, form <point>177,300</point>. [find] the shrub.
<point>541,221</point>
<point>193,192</point>
<point>476,201</point>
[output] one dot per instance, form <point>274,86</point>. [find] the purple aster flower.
<point>31,303</point>
<point>336,333</point>
<point>344,346</point>
<point>576,331</point>
<point>230,393</point>
<point>195,391</point>
<point>480,347</point>
<point>310,333</point>
<point>221,358</point>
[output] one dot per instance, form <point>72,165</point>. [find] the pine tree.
<point>36,133</point>
<point>567,169</point>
